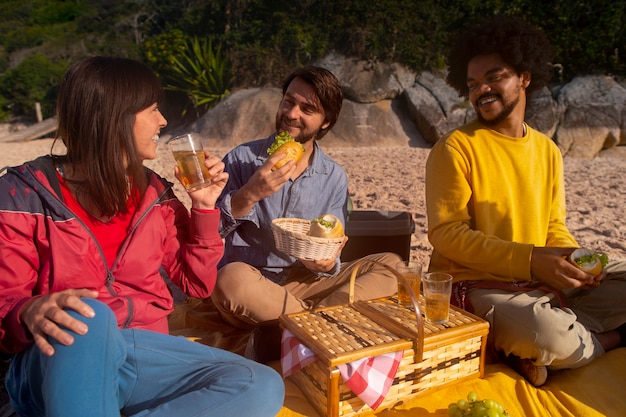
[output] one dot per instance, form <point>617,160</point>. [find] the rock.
<point>543,112</point>
<point>243,116</point>
<point>367,81</point>
<point>250,114</point>
<point>594,116</point>
<point>614,152</point>
<point>388,105</point>
<point>384,123</point>
<point>435,107</point>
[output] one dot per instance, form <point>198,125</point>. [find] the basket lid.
<point>391,314</point>
<point>342,334</point>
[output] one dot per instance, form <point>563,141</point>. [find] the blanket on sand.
<point>595,390</point>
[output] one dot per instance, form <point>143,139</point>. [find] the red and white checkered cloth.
<point>369,378</point>
<point>293,354</point>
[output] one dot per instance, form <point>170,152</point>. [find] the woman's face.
<point>147,127</point>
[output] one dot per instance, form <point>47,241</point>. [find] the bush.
<point>194,67</point>
<point>4,114</point>
<point>265,40</point>
<point>36,79</point>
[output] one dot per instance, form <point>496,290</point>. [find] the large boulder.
<point>243,116</point>
<point>388,105</point>
<point>384,123</point>
<point>435,107</point>
<point>543,112</point>
<point>368,81</point>
<point>250,114</point>
<point>594,116</point>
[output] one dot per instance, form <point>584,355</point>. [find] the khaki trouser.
<point>532,325</point>
<point>246,298</point>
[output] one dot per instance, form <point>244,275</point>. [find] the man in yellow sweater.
<point>496,213</point>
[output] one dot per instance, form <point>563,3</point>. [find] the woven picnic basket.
<point>290,236</point>
<point>434,355</point>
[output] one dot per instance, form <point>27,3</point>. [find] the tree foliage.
<point>34,80</point>
<point>263,40</point>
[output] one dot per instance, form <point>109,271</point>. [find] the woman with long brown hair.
<point>84,240</point>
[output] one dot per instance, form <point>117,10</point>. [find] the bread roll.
<point>326,226</point>
<point>285,143</point>
<point>292,150</point>
<point>589,261</point>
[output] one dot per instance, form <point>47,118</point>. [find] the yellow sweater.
<point>490,199</point>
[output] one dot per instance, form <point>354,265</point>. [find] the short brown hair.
<point>327,89</point>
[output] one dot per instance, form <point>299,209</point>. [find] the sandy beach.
<point>595,189</point>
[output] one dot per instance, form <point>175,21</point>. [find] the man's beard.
<point>302,138</point>
<point>506,111</point>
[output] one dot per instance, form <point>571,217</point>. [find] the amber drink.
<point>412,274</point>
<point>437,290</point>
<point>189,155</point>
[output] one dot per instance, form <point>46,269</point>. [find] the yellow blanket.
<point>595,390</point>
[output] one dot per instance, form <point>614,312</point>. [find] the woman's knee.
<point>270,388</point>
<point>103,318</point>
<point>98,307</point>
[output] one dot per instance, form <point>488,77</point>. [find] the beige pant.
<point>246,298</point>
<point>531,325</point>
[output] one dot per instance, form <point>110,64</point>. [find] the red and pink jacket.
<point>45,248</point>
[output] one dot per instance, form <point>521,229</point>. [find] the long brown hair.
<point>98,100</point>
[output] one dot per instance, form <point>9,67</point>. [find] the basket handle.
<point>419,345</point>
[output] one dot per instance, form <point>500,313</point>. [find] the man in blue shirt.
<point>256,282</point>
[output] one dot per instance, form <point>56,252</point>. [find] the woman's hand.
<point>44,315</point>
<point>206,197</point>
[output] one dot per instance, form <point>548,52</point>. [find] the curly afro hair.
<point>520,45</point>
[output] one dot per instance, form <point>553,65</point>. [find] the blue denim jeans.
<point>139,373</point>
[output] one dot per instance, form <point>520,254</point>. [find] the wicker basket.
<point>290,236</point>
<point>434,355</point>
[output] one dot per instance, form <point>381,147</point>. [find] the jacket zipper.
<point>109,278</point>
<point>131,304</point>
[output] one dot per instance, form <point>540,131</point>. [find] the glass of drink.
<point>189,155</point>
<point>412,272</point>
<point>437,289</point>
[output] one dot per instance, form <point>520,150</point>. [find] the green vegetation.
<point>198,69</point>
<point>34,80</point>
<point>203,49</point>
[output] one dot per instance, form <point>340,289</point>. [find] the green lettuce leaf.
<point>280,140</point>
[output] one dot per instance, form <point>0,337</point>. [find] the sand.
<point>595,189</point>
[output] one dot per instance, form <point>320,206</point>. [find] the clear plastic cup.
<point>189,155</point>
<point>437,291</point>
<point>412,272</point>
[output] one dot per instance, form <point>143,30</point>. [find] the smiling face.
<point>496,91</point>
<point>300,112</point>
<point>146,129</point>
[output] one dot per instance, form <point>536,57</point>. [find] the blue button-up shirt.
<point>322,188</point>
